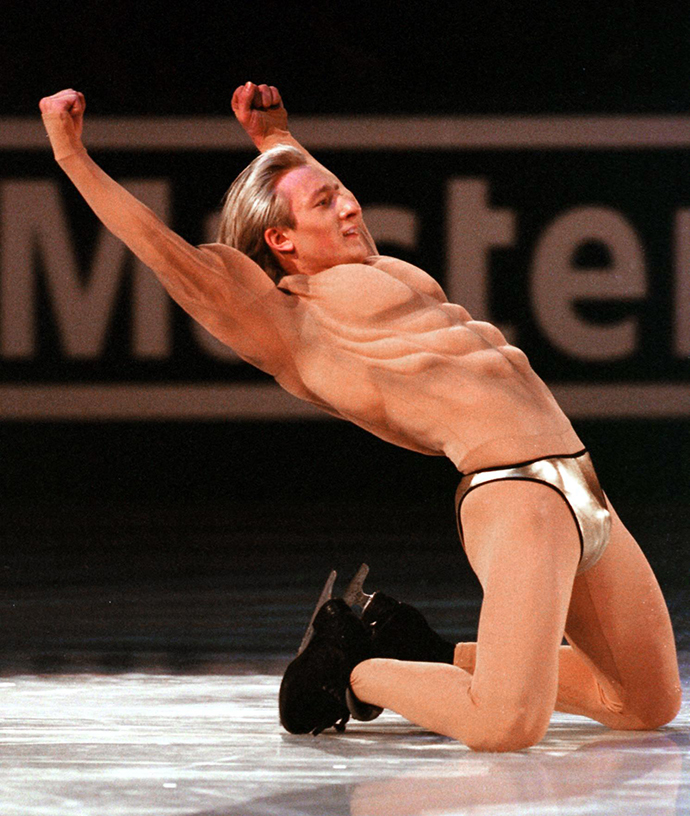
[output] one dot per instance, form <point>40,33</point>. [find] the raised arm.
<point>262,114</point>
<point>220,287</point>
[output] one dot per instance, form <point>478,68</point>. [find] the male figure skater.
<point>295,287</point>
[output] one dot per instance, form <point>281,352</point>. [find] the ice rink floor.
<point>159,743</point>
<point>146,683</point>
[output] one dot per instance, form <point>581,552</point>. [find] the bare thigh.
<point>523,544</point>
<point>619,625</point>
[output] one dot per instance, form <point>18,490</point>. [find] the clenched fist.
<point>260,111</point>
<point>64,130</point>
<point>68,101</point>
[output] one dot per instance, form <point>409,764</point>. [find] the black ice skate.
<point>400,631</point>
<point>314,692</point>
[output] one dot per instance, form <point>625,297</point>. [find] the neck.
<point>292,265</point>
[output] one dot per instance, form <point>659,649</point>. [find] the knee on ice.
<point>656,711</point>
<point>512,731</point>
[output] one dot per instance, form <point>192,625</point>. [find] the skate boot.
<point>400,631</point>
<point>315,690</point>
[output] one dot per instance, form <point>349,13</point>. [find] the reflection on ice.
<point>173,745</point>
<point>616,773</point>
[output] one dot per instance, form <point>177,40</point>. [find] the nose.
<point>349,205</point>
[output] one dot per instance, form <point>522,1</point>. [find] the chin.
<point>359,254</point>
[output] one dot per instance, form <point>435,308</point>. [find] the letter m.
<point>34,234</point>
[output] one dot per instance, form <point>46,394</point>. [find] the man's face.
<point>329,226</point>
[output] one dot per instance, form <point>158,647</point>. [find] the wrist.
<point>274,138</point>
<point>63,137</point>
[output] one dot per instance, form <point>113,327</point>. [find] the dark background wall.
<point>69,487</point>
<point>446,57</point>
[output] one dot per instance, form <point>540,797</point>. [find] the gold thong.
<point>574,478</point>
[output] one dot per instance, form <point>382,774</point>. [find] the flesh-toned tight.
<point>620,667</point>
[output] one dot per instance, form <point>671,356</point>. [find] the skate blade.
<point>325,595</point>
<point>354,594</point>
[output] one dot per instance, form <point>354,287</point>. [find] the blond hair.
<point>252,205</point>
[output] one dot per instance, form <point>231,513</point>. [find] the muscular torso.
<point>380,345</point>
<point>376,343</point>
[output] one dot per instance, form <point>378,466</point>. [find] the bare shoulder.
<point>242,306</point>
<point>410,274</point>
<point>243,270</point>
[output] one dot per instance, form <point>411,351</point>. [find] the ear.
<point>277,240</point>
